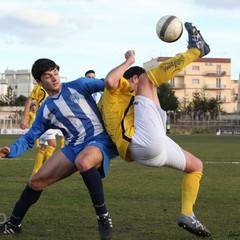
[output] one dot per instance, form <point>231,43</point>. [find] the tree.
<point>201,103</point>
<point>167,97</point>
<point>2,103</point>
<point>10,97</point>
<point>20,101</point>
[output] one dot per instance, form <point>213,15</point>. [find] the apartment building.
<point>209,75</point>
<point>21,81</point>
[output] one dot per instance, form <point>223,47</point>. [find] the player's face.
<point>91,75</point>
<point>50,81</point>
<point>34,108</point>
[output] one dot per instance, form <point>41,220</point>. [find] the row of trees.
<point>199,103</point>
<point>11,99</point>
<point>165,93</point>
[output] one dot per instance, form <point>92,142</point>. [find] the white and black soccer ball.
<point>169,28</point>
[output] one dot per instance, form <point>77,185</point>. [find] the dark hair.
<point>89,71</point>
<point>136,70</point>
<point>42,65</point>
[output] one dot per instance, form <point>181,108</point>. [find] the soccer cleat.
<point>105,226</point>
<point>9,229</point>
<point>193,225</point>
<point>195,39</point>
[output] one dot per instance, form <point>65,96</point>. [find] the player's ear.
<point>39,82</point>
<point>135,78</point>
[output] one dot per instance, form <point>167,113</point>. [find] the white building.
<point>21,82</point>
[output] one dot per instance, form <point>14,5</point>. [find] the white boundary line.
<point>16,159</point>
<point>221,162</point>
<point>31,159</point>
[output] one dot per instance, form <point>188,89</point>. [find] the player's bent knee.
<point>83,165</point>
<point>193,164</point>
<point>199,165</point>
<point>36,183</point>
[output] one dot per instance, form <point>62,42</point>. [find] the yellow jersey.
<point>116,107</point>
<point>39,94</point>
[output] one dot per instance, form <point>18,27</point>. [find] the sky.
<point>95,34</point>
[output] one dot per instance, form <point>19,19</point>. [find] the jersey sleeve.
<point>22,144</point>
<point>90,85</point>
<point>28,139</point>
<point>123,86</point>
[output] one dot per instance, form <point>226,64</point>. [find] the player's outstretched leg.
<point>9,229</point>
<point>195,39</point>
<point>193,225</point>
<point>105,226</point>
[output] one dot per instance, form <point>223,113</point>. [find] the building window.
<point>218,97</point>
<point>172,82</point>
<point>195,81</point>
<point>195,68</point>
<point>218,82</point>
<point>218,69</point>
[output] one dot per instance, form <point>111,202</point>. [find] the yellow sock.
<point>190,187</point>
<point>62,141</point>
<point>38,161</point>
<point>169,68</point>
<point>37,142</point>
<point>48,153</point>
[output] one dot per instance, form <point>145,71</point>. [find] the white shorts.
<point>150,145</point>
<point>48,135</point>
<point>58,132</point>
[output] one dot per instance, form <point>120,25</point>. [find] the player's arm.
<point>24,143</point>
<point>19,146</point>
<point>27,140</point>
<point>113,77</point>
<point>95,85</point>
<point>24,121</point>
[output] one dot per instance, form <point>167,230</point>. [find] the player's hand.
<point>4,151</point>
<point>24,124</point>
<point>130,55</point>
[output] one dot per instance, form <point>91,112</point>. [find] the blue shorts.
<point>103,142</point>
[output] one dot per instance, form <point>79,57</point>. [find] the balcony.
<point>177,85</point>
<point>214,74</point>
<point>182,73</point>
<point>214,86</point>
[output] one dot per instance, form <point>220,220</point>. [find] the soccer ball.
<point>169,28</point>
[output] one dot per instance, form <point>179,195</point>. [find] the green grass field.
<point>144,202</point>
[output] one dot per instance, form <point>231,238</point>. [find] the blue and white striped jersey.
<point>73,111</point>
